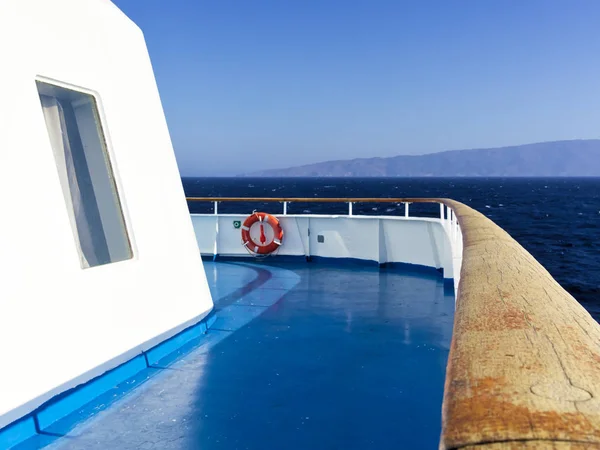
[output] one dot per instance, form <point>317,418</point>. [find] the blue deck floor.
<point>302,356</point>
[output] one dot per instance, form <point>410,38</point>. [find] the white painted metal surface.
<point>454,234</point>
<point>61,325</point>
<point>427,242</point>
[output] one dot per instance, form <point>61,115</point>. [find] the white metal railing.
<point>350,202</point>
<point>447,216</point>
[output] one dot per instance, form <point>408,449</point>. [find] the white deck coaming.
<point>422,241</point>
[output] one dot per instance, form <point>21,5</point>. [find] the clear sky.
<point>253,84</point>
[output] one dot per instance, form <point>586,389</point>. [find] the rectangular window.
<point>86,175</point>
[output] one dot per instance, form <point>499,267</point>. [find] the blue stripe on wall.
<point>77,397</point>
<point>17,432</point>
<point>400,266</point>
<point>37,426</point>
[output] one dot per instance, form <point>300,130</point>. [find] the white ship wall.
<point>382,239</point>
<point>59,321</point>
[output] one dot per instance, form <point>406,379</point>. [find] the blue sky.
<point>248,85</point>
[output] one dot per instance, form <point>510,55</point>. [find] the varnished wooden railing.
<point>524,364</point>
<point>314,199</point>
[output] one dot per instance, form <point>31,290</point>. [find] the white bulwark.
<point>99,257</point>
<point>417,241</point>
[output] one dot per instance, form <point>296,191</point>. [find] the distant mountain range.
<point>559,158</point>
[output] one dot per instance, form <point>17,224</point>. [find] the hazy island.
<point>573,158</point>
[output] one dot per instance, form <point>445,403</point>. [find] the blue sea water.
<point>556,219</point>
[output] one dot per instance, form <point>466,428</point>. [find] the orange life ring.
<point>262,245</point>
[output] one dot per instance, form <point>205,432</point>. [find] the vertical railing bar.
<point>216,207</point>
<point>349,208</point>
<point>216,248</point>
<point>285,208</point>
<point>458,233</point>
<point>454,227</point>
<point>451,224</point>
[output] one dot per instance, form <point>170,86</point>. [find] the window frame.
<point>112,165</point>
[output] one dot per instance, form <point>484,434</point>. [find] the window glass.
<point>86,175</point>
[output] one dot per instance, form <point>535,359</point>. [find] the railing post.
<point>284,208</point>
<point>406,209</point>
<point>216,208</point>
<point>457,231</point>
<point>442,212</point>
<point>349,208</point>
<point>216,247</point>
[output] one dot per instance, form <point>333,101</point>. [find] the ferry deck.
<point>301,355</point>
<point>360,332</point>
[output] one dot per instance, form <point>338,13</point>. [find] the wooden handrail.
<point>315,199</point>
<point>524,363</point>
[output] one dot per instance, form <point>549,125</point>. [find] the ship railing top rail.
<point>524,363</point>
<point>315,199</point>
<point>285,200</point>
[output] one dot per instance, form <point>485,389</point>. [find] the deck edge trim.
<point>61,405</point>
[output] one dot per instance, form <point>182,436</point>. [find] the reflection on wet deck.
<point>301,356</point>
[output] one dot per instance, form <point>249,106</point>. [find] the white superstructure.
<point>83,291</point>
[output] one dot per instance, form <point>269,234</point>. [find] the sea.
<point>556,219</point>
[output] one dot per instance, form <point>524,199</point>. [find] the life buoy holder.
<point>265,241</point>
